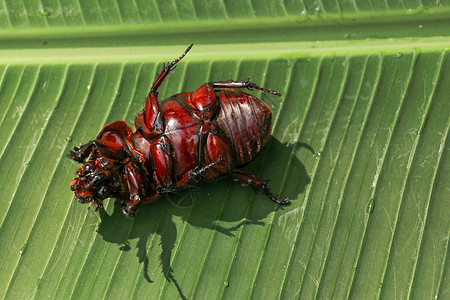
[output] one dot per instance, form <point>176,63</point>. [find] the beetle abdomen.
<point>246,121</point>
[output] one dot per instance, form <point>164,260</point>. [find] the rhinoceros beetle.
<point>181,142</point>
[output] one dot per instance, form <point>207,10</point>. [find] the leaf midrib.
<point>218,52</point>
<point>214,39</point>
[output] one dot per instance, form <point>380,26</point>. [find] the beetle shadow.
<point>223,210</point>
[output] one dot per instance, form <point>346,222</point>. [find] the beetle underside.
<point>183,141</point>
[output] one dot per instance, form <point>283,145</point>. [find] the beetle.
<point>181,142</point>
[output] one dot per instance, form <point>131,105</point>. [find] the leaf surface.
<point>359,144</point>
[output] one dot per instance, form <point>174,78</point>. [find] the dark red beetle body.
<point>183,141</point>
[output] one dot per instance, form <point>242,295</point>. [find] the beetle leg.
<point>162,161</point>
<point>153,118</point>
<point>193,177</point>
<point>197,174</point>
<point>105,148</point>
<point>217,160</point>
<point>80,154</point>
<point>246,83</point>
<point>128,210</point>
<point>136,188</point>
<point>166,69</point>
<point>259,185</point>
<point>204,100</point>
<point>151,123</point>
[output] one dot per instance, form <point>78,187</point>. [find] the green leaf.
<point>359,144</point>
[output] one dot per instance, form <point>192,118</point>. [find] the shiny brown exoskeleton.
<point>183,141</point>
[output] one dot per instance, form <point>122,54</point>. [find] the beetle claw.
<point>171,66</point>
<point>74,155</point>
<point>127,211</point>
<point>279,201</point>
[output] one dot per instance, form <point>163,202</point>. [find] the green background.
<point>360,145</point>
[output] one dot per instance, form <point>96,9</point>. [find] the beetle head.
<point>95,181</point>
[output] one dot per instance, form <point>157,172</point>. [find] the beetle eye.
<point>98,178</point>
<point>89,167</point>
<point>103,192</point>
